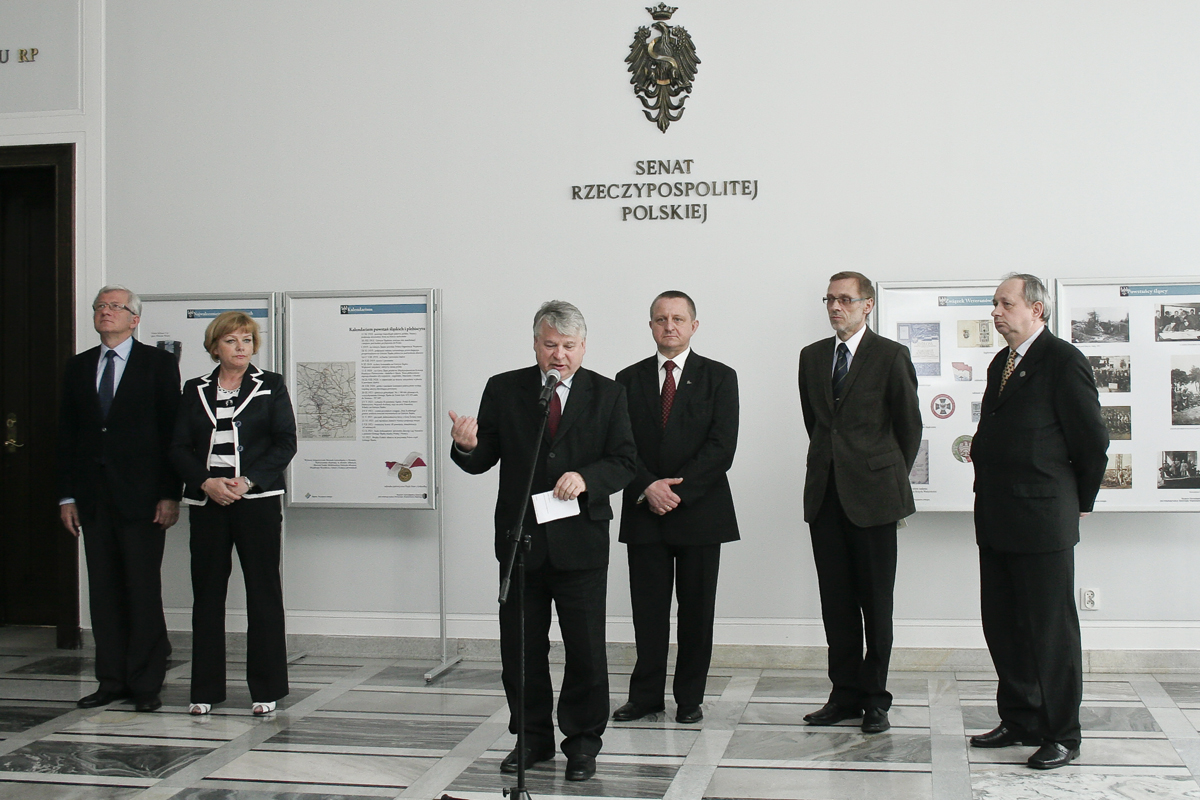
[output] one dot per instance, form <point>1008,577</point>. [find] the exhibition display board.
<point>360,369</point>
<point>947,328</point>
<point>1142,338</point>
<point>176,322</point>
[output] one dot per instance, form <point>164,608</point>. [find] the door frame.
<point>61,322</point>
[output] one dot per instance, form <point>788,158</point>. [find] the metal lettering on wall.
<point>25,55</point>
<point>663,68</point>
<point>687,190</point>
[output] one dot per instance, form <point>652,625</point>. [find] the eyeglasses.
<point>841,300</point>
<point>114,306</point>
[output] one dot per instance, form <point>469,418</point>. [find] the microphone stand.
<point>520,544</point>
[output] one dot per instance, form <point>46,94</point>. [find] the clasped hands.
<point>661,497</point>
<point>224,491</point>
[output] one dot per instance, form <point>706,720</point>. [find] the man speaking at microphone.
<point>587,453</point>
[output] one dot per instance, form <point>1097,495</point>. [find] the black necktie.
<point>841,366</point>
<point>107,384</point>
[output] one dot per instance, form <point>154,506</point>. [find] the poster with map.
<point>360,369</point>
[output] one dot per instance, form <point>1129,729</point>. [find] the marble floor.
<point>370,728</point>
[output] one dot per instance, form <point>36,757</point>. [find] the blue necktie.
<point>841,366</point>
<point>107,384</point>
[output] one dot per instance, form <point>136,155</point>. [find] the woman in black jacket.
<point>234,436</point>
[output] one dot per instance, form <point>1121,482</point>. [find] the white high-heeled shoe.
<point>196,709</point>
<point>261,709</point>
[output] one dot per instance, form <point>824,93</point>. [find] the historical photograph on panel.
<point>1177,322</point>
<point>974,333</point>
<point>1117,419</point>
<point>1119,473</point>
<point>1185,389</point>
<point>924,343</point>
<point>1111,373</point>
<point>976,410</point>
<point>920,471</point>
<point>1177,470</point>
<point>1094,325</point>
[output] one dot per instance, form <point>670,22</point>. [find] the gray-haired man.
<point>587,453</point>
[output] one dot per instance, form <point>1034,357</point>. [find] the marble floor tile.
<point>789,744</point>
<point>17,718</point>
<point>1093,718</point>
<point>306,672</point>
<point>122,721</point>
<point>758,713</point>
<point>237,696</point>
<point>339,769</point>
<point>786,686</point>
<point>89,758</point>
<point>804,784</point>
<point>432,734</point>
<point>1093,752</point>
<point>70,666</point>
<point>1072,784</point>
<point>458,677</point>
<point>252,794</point>
<point>612,779</point>
<point>418,703</point>
<point>1184,693</point>
<point>674,741</point>
<point>34,689</point>
<point>62,791</point>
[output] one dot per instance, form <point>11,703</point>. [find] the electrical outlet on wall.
<point>1089,599</point>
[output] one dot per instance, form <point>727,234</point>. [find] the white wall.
<point>390,145</point>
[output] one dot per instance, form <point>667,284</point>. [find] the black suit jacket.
<point>1040,450</point>
<point>594,439</point>
<point>697,445</point>
<point>264,431</point>
<point>127,452</point>
<point>869,438</point>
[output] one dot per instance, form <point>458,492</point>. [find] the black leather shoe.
<point>831,714</point>
<point>100,698</point>
<point>532,756</point>
<point>580,767</point>
<point>149,702</point>
<point>1005,735</point>
<point>875,720</point>
<point>632,711</point>
<point>1053,755</point>
<point>689,715</point>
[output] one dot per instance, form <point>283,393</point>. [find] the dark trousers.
<point>124,565</point>
<point>579,598</point>
<point>1032,630</point>
<point>856,572</point>
<point>253,527</point>
<point>654,569</point>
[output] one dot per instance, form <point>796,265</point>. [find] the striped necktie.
<point>841,367</point>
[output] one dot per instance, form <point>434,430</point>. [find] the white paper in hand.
<point>547,507</point>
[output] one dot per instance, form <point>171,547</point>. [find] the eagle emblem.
<point>662,68</point>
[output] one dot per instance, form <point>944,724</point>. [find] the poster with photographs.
<point>947,327</point>
<point>1151,410</point>
<point>176,323</point>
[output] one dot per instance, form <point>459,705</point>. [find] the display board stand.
<point>948,330</point>
<point>364,369</point>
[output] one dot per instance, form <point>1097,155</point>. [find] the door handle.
<point>10,443</point>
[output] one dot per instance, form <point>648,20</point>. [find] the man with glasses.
<point>119,491</point>
<point>858,392</point>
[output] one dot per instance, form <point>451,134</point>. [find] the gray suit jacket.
<point>869,438</point>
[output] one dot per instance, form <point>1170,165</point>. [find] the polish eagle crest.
<point>662,68</point>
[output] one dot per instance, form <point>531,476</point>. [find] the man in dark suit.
<point>1039,458</point>
<point>864,427</point>
<point>678,509</point>
<point>119,490</point>
<point>587,453</point>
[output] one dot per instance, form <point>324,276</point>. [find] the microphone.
<point>552,379</point>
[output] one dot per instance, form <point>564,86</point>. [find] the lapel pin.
<point>1022,373</point>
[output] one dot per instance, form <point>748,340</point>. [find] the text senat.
<point>697,211</point>
<point>676,167</point>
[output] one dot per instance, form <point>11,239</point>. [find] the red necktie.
<point>668,392</point>
<point>555,413</point>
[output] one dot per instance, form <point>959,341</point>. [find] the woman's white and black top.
<point>222,458</point>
